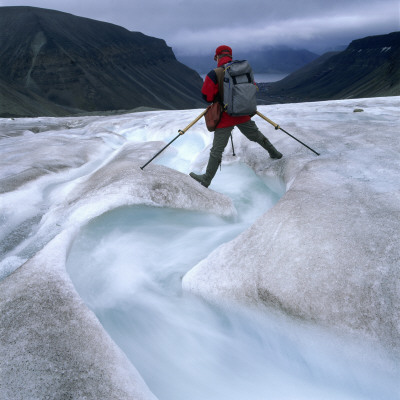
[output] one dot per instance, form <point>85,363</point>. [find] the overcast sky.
<point>199,26</point>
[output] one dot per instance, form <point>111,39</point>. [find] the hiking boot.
<point>211,170</point>
<point>199,178</point>
<point>273,152</point>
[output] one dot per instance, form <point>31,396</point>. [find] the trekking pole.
<point>287,133</point>
<point>233,149</point>
<point>181,132</point>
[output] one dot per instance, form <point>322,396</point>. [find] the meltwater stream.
<point>127,265</point>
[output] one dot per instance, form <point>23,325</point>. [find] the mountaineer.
<point>211,92</point>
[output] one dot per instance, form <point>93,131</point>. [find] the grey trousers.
<point>221,137</point>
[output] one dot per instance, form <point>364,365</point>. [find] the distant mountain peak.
<point>369,67</point>
<point>79,64</point>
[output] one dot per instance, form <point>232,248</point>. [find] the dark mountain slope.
<point>15,102</point>
<point>369,67</point>
<point>84,65</point>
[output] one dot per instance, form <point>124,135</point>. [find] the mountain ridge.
<point>56,64</point>
<point>369,67</point>
<point>83,65</point>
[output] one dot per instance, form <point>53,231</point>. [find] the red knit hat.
<point>223,51</point>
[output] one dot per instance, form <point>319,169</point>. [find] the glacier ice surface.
<point>326,253</point>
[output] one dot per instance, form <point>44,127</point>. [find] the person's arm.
<point>210,87</point>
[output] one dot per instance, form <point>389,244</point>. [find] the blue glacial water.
<point>127,265</point>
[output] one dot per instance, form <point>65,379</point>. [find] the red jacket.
<point>210,90</point>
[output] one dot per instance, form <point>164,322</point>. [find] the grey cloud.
<point>198,26</point>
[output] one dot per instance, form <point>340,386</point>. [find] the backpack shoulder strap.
<point>220,71</point>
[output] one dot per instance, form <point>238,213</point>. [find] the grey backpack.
<point>237,88</point>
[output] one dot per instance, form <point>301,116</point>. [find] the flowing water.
<point>127,265</point>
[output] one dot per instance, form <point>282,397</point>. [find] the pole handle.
<point>276,126</point>
<point>180,133</point>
